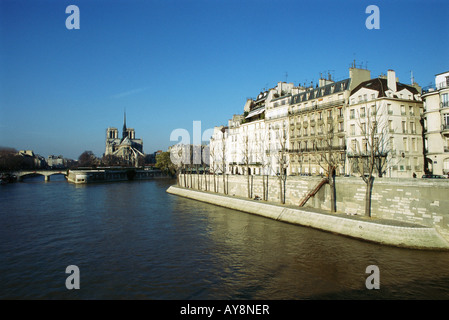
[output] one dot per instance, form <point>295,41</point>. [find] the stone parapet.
<point>417,201</point>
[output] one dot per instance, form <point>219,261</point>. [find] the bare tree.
<point>223,158</point>
<point>87,159</point>
<point>214,165</point>
<point>280,152</point>
<point>246,160</point>
<point>205,156</point>
<point>180,158</point>
<point>328,152</point>
<point>263,158</point>
<point>371,156</point>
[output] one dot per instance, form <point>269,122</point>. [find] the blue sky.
<point>172,62</point>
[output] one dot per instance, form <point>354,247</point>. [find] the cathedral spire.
<point>125,132</point>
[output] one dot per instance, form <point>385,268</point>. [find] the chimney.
<point>391,80</point>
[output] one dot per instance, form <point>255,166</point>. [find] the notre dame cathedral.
<point>127,147</point>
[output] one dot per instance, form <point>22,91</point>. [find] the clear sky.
<point>172,62</point>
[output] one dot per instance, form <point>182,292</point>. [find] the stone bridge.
<point>46,173</point>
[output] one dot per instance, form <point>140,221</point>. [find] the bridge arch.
<point>45,173</point>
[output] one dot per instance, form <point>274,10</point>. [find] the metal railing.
<point>319,106</point>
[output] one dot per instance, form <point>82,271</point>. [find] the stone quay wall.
<point>419,201</point>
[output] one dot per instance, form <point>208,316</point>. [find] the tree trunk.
<point>369,188</point>
<point>263,184</point>
<point>332,189</point>
<point>247,183</point>
<point>191,183</point>
<point>280,190</point>
<point>266,189</point>
<point>224,183</point>
<point>285,189</point>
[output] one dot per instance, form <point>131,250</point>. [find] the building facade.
<point>436,126</point>
<point>385,115</point>
<point>128,148</point>
<point>56,161</point>
<point>319,130</point>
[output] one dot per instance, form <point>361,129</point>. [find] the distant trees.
<point>164,163</point>
<point>111,160</point>
<point>87,159</point>
<point>10,160</point>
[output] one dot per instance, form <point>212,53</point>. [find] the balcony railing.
<point>438,86</point>
<point>445,127</point>
<point>317,149</point>
<point>319,106</point>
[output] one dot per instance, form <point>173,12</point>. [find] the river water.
<point>132,240</point>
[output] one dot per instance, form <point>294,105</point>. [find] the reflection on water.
<point>132,240</point>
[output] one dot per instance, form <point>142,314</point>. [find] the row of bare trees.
<point>269,153</point>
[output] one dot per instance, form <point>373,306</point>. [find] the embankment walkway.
<point>387,232</point>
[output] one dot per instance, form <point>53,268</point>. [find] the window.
<point>404,142</point>
<point>363,127</point>
<point>352,131</point>
<point>391,143</point>
<point>354,145</point>
<point>445,100</point>
<point>362,112</point>
<point>352,114</point>
<point>390,126</point>
<point>403,110</point>
<point>446,121</point>
<point>390,109</point>
<point>412,127</point>
<point>410,111</point>
<point>404,127</point>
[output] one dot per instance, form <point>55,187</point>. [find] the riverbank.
<point>382,231</point>
<point>81,176</point>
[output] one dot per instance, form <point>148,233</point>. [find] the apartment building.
<point>251,143</point>
<point>310,131</point>
<point>391,112</point>
<point>317,125</point>
<point>436,125</point>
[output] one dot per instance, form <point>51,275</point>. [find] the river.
<point>132,240</point>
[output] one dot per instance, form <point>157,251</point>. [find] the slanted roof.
<point>322,91</point>
<point>381,85</point>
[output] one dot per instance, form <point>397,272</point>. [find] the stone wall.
<point>421,201</point>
